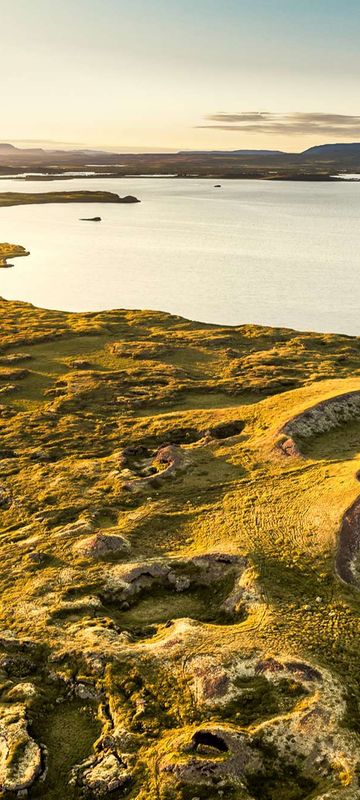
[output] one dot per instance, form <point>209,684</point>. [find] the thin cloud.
<point>291,124</point>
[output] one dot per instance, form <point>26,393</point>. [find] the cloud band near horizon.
<point>289,124</point>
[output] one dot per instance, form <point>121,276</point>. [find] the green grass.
<point>68,732</point>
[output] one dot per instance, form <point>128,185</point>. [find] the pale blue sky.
<point>147,74</point>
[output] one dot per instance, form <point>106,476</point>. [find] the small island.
<point>10,251</point>
<point>29,198</point>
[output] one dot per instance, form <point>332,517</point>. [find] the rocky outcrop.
<point>296,746</point>
<point>348,546</point>
<point>101,545</point>
<point>166,463</point>
<point>125,585</point>
<point>20,756</point>
<point>102,774</point>
<point>321,418</point>
<point>109,768</point>
<point>324,416</point>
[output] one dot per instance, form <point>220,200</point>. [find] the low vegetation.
<point>30,198</point>
<point>173,623</point>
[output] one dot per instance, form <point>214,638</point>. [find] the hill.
<point>180,581</point>
<point>333,151</point>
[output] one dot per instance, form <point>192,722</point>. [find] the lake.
<point>273,253</point>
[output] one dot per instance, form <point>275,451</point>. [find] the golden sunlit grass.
<point>86,401</point>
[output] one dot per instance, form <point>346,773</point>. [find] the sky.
<point>158,75</point>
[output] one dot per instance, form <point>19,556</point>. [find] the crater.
<point>164,604</point>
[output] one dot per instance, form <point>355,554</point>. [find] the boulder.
<point>102,544</point>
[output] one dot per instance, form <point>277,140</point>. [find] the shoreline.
<point>307,178</point>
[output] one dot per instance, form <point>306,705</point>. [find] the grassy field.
<point>174,634</point>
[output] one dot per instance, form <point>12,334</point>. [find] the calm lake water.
<point>276,253</point>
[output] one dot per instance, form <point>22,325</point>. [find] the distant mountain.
<point>7,148</point>
<point>259,152</point>
<point>11,150</point>
<point>26,156</point>
<point>232,152</point>
<point>333,150</point>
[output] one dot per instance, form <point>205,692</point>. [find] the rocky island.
<point>180,547</point>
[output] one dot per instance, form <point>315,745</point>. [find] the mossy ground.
<point>90,389</point>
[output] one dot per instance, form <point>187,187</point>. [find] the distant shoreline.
<point>310,178</point>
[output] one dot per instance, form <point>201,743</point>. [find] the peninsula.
<point>10,251</point>
<point>30,198</point>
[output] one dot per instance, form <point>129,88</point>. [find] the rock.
<point>289,447</point>
<point>80,363</point>
<point>150,569</point>
<point>20,756</point>
<point>38,557</point>
<point>129,198</point>
<point>22,691</point>
<point>85,692</point>
<point>324,416</point>
<point>204,767</point>
<point>180,582</point>
<point>103,774</point>
<point>102,544</point>
<point>172,457</point>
